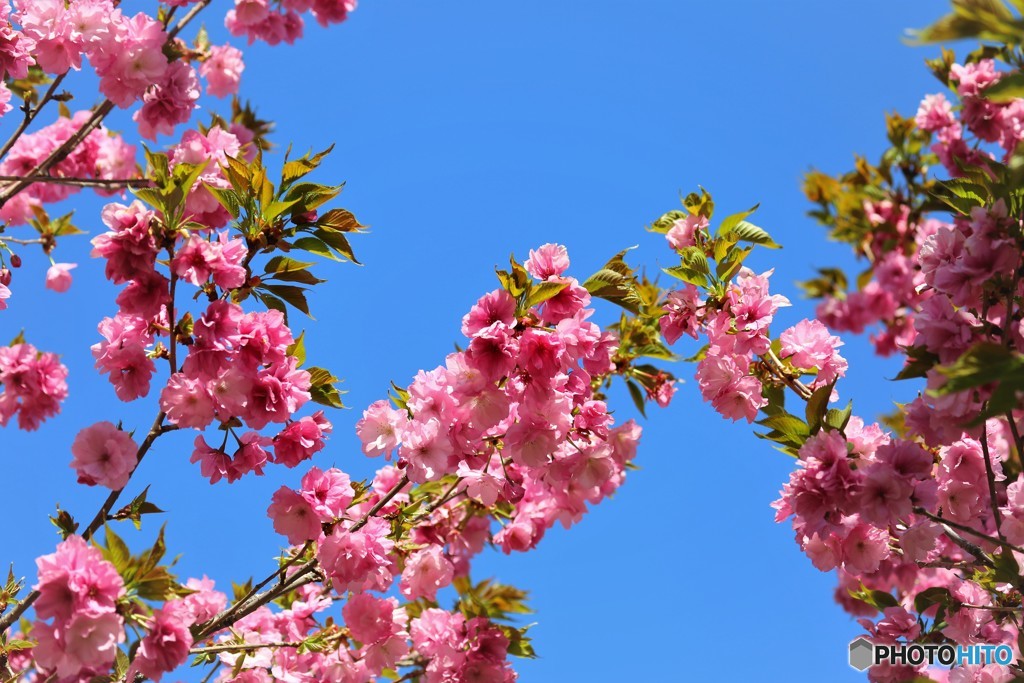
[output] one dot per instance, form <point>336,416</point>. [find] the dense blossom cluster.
<point>34,384</point>
<point>922,525</point>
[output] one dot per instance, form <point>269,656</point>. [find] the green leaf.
<point>315,246</point>
<point>699,204</point>
<point>817,406</point>
<point>960,194</point>
<point>322,388</point>
<point>296,296</point>
<point>935,595</point>
<point>136,509</point>
<point>297,349</point>
<point>838,419</point>
<point>228,198</point>
<point>542,291</point>
<point>919,362</point>
<point>616,282</point>
<point>116,550</point>
<point>665,223</point>
<point>982,364</point>
<point>788,424</point>
<point>689,275</point>
<point>338,242</point>
<point>341,220</point>
<point>730,222</point>
<point>1008,87</point>
<point>637,394</point>
<point>748,232</point>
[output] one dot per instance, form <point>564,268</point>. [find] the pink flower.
<point>194,261</point>
<point>725,381</point>
<point>277,393</point>
<point>379,428</point>
<point>301,439</point>
<point>122,354</point>
<point>205,602</point>
<point>496,306</point>
<point>548,260</point>
<point>358,560</point>
<point>426,571</point>
<point>682,308</point>
<point>808,345</point>
<point>187,402</point>
<point>76,580</point>
<point>864,549</point>
<point>427,449</point>
<point>166,645</point>
<point>293,516</point>
<point>104,455</point>
<point>79,590</point>
<point>170,102</point>
<point>683,232</point>
<point>34,384</point>
<point>58,277</point>
<point>129,247</point>
<point>369,619</point>
<point>222,70</point>
<point>329,493</point>
<point>86,644</point>
<point>935,113</point>
<point>215,464</point>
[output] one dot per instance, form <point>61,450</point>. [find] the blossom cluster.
<point>34,384</point>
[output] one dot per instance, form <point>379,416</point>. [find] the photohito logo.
<point>864,653</point>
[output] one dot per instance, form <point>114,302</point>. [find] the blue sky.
<point>470,130</point>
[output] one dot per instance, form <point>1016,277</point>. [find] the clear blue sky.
<point>468,130</point>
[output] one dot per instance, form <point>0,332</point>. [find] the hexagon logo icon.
<point>862,653</point>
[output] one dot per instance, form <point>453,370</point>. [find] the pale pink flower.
<point>426,571</point>
<point>222,70</point>
<point>58,277</point>
<point>379,428</point>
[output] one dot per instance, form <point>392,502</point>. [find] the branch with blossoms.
<point>507,438</point>
<point>922,531</point>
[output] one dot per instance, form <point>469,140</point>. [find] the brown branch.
<point>59,154</point>
<point>991,477</point>
<point>80,182</point>
<point>23,242</point>
<point>99,519</point>
<point>30,115</point>
<point>305,574</point>
<point>93,122</point>
<point>776,367</point>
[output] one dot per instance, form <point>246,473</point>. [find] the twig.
<point>304,575</point>
<point>99,519</point>
<point>213,669</point>
<point>80,182</point>
<point>91,123</point>
<point>16,240</point>
<point>991,608</point>
<point>31,114</point>
<point>990,475</point>
<point>776,367</point>
<point>59,154</point>
<point>240,647</point>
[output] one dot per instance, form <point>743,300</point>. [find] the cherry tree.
<point>216,243</point>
